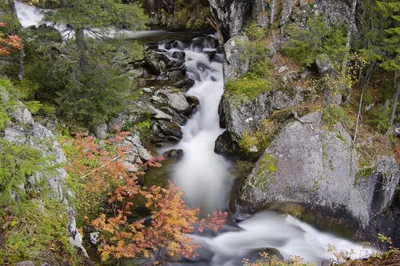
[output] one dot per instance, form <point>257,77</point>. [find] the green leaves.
<point>318,38</point>
<point>89,14</point>
<point>95,95</point>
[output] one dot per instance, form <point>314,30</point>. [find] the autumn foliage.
<point>8,43</point>
<point>164,234</point>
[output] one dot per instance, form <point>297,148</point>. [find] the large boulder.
<point>315,171</point>
<point>241,115</point>
<point>172,97</point>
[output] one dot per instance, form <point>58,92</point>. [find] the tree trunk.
<point>365,86</point>
<point>80,45</point>
<point>348,40</point>
<point>396,99</point>
<point>273,4</point>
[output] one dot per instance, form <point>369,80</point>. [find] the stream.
<point>206,179</point>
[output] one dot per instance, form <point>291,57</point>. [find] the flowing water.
<point>205,178</point>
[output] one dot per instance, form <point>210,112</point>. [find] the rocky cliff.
<point>21,129</point>
<point>309,169</point>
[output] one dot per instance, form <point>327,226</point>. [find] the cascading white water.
<point>204,177</point>
<point>202,174</point>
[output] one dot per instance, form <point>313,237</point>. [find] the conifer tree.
<point>390,12</point>
<point>88,17</point>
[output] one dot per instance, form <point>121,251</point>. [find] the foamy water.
<point>204,177</point>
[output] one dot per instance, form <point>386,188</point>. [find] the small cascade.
<point>205,178</point>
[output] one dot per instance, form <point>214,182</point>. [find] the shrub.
<point>95,95</point>
<point>333,114</point>
<point>379,118</point>
<point>317,38</point>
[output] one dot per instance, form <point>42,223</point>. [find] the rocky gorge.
<point>302,159</point>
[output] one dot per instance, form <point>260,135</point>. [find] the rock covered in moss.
<point>236,63</point>
<point>314,169</point>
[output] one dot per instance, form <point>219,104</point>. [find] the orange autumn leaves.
<point>164,234</point>
<point>8,43</point>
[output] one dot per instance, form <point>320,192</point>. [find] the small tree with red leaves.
<point>8,43</point>
<point>164,234</point>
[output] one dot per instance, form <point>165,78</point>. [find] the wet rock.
<point>173,98</point>
<point>184,83</point>
<point>176,75</point>
<point>162,57</point>
<point>178,55</point>
<point>151,64</point>
<point>210,42</point>
<point>151,46</point>
<point>313,168</point>
<point>176,116</point>
<point>224,145</point>
<point>193,101</point>
<point>174,153</point>
<point>170,128</point>
<point>160,115</point>
<point>169,44</point>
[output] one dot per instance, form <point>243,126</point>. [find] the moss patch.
<point>248,86</point>
<point>266,169</point>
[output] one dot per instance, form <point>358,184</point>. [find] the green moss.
<point>248,86</point>
<point>266,169</point>
<point>143,127</point>
<point>363,174</point>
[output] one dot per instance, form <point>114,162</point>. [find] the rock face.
<point>23,130</point>
<point>224,10</point>
<point>242,115</point>
<point>336,12</point>
<point>313,169</point>
<point>163,13</point>
<point>235,64</point>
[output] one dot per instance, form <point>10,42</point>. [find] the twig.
<point>101,167</point>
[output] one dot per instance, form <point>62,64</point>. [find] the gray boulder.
<point>314,170</point>
<point>324,64</point>
<point>100,130</point>
<point>235,63</point>
<point>173,98</point>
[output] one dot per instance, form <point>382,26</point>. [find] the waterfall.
<point>205,178</point>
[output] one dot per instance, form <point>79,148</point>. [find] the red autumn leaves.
<point>8,43</point>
